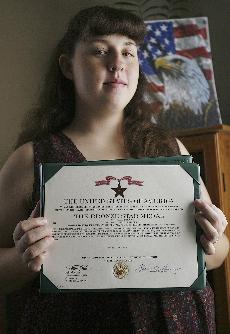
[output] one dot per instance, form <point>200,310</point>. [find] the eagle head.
<point>184,83</point>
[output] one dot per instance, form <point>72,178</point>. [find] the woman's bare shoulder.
<point>25,151</point>
<point>19,164</point>
<point>16,186</point>
<point>183,149</point>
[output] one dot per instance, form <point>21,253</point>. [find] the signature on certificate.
<point>157,268</point>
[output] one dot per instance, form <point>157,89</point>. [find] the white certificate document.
<point>120,227</point>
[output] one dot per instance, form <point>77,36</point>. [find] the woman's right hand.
<point>32,238</point>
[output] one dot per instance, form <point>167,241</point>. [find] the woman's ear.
<point>66,66</point>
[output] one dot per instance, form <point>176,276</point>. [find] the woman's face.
<point>105,71</point>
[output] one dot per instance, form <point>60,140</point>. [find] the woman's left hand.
<point>213,223</point>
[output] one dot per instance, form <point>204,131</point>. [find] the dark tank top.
<point>181,312</point>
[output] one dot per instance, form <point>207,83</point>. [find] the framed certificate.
<point>122,225</point>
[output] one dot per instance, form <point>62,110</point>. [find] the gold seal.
<point>120,269</point>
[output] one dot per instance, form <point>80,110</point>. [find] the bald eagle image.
<point>186,101</point>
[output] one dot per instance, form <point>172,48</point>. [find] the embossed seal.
<point>120,269</point>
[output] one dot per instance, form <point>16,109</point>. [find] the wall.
<point>218,13</point>
<point>30,29</point>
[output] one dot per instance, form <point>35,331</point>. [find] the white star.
<point>153,40</point>
<point>140,61</point>
<point>145,54</point>
<point>149,47</point>
<point>166,41</point>
<point>149,28</point>
<point>158,52</point>
<point>169,53</point>
<point>157,32</point>
<point>163,46</point>
<point>164,27</point>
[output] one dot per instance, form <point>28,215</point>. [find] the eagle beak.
<point>161,63</point>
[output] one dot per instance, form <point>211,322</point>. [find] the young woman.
<point>90,109</point>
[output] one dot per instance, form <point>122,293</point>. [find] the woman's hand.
<point>32,239</point>
<point>213,223</point>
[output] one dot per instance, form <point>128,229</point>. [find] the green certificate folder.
<point>122,225</point>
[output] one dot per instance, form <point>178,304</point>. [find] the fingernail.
<point>41,220</point>
<point>214,242</point>
<point>198,200</point>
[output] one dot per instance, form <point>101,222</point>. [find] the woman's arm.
<point>213,223</point>
<point>20,253</point>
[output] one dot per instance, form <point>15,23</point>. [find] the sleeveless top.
<point>166,312</point>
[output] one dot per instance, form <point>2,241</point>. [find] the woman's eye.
<point>128,54</point>
<point>101,52</point>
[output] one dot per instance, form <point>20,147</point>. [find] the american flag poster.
<point>176,60</point>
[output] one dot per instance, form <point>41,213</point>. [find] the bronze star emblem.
<point>119,190</point>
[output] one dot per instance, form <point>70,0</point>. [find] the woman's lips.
<point>115,83</point>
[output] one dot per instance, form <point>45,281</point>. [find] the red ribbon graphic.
<point>107,181</point>
<point>130,181</point>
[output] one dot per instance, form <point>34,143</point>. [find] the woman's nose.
<point>116,68</point>
<point>115,64</point>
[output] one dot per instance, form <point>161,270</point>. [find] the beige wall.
<point>26,38</point>
<point>30,28</point>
